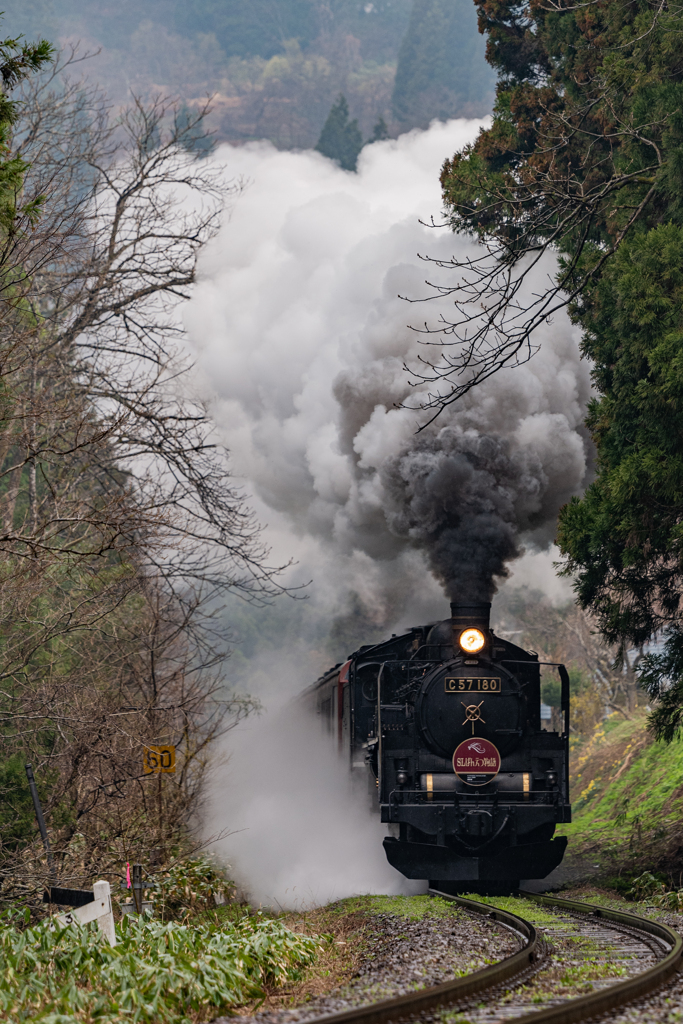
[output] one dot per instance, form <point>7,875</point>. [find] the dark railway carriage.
<point>445,721</point>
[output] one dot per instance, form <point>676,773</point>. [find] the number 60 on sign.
<point>159,759</point>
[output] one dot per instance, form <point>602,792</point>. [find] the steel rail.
<point>574,1011</point>
<point>605,1000</point>
<point>449,992</point>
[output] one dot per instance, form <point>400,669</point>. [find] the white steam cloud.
<point>299,331</point>
<point>305,834</point>
<point>299,328</point>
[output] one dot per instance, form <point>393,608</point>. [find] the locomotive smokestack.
<point>470,626</point>
<point>476,615</point>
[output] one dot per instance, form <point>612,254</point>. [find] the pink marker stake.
<point>127,875</point>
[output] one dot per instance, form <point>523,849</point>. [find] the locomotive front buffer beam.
<point>425,860</point>
<point>442,819</point>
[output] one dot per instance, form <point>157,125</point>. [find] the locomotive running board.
<point>424,860</point>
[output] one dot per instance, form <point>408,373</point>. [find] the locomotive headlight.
<point>472,640</point>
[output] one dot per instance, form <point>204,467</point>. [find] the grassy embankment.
<point>627,794</point>
<point>203,961</point>
<point>158,971</point>
<point>188,963</point>
<point>627,798</point>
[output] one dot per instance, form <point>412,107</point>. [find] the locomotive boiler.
<point>445,722</point>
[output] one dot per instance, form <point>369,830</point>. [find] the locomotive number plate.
<point>483,684</point>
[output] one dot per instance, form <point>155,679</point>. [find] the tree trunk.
<point>32,498</point>
<point>9,501</point>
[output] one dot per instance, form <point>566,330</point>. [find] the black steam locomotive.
<point>445,720</point>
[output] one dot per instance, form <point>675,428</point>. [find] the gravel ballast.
<point>664,1006</point>
<point>401,955</point>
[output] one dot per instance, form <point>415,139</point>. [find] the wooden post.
<point>161,822</point>
<point>137,887</point>
<point>99,910</point>
<point>41,821</point>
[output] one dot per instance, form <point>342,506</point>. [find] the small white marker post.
<point>99,910</point>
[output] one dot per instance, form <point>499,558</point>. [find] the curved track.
<point>485,985</point>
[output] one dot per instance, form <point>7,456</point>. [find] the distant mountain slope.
<point>441,65</point>
<point>274,67</point>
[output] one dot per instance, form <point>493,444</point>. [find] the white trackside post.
<point>99,910</point>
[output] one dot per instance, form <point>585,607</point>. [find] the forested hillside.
<point>275,67</point>
<point>441,65</point>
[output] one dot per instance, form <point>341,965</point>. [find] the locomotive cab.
<point>446,718</point>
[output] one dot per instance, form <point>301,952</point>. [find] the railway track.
<point>639,955</point>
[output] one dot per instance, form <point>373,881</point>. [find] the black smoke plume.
<point>463,498</point>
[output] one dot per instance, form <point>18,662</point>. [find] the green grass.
<point>158,972</point>
<point>627,798</point>
<point>413,908</point>
<point>591,970</point>
<point>527,909</point>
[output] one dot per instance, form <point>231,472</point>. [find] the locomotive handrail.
<point>564,697</point>
<point>379,730</point>
<point>564,706</point>
<point>565,703</point>
<point>452,797</point>
<point>423,647</point>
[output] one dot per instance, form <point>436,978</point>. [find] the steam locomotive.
<point>445,722</point>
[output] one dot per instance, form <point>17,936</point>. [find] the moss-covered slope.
<point>627,798</point>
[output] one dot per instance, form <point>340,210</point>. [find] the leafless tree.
<point>560,214</point>
<point>125,210</point>
<point>570,635</point>
<point>120,525</point>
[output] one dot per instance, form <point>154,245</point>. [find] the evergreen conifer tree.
<point>441,70</point>
<point>584,159</point>
<point>340,138</point>
<point>379,132</point>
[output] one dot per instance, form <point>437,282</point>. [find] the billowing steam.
<point>303,337</point>
<point>303,832</point>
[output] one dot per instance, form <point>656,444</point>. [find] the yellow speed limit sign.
<point>159,759</point>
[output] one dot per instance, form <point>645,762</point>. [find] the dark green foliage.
<point>340,138</point>
<point>17,816</point>
<point>440,70</point>
<point>380,131</point>
<point>18,60</point>
<point>661,675</point>
<point>585,157</point>
<point>570,88</point>
<point>624,536</point>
